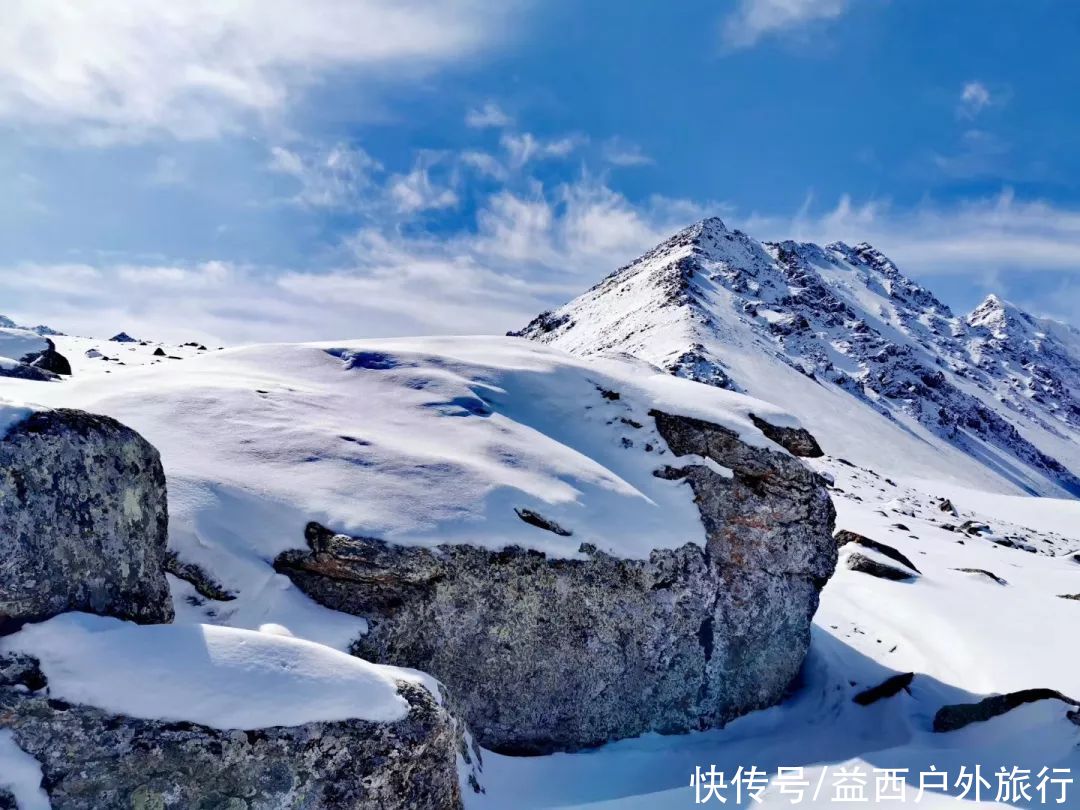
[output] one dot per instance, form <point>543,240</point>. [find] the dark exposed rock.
<point>974,527</point>
<point>22,371</point>
<point>902,527</point>
<point>866,565</point>
<point>546,654</point>
<point>945,505</point>
<point>123,337</point>
<point>797,441</point>
<point>92,760</point>
<point>195,576</point>
<point>49,360</point>
<point>885,689</point>
<point>983,572</point>
<point>541,522</point>
<point>844,537</point>
<point>951,718</point>
<point>7,801</point>
<point>1075,596</point>
<point>159,352</point>
<point>83,521</point>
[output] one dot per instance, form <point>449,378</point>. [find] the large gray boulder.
<point>83,521</point>
<point>92,760</point>
<point>556,654</point>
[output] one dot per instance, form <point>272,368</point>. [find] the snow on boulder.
<point>83,518</point>
<point>122,715</point>
<point>580,550</point>
<point>25,354</point>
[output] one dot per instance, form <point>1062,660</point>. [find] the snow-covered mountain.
<point>878,368</point>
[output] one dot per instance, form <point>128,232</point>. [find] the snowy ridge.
<point>990,398</point>
<point>415,441</point>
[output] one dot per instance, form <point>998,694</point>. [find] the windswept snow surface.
<point>417,442</point>
<point>437,440</point>
<point>220,677</point>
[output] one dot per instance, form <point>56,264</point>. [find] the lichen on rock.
<point>83,520</point>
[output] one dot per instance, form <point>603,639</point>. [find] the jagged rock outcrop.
<point>92,760</point>
<point>556,654</point>
<point>83,521</point>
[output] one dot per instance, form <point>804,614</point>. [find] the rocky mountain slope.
<point>868,358</point>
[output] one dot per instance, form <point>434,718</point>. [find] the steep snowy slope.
<point>879,369</point>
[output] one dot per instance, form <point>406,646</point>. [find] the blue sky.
<point>347,168</point>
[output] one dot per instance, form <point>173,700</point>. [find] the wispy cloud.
<point>490,115</point>
<point>974,98</point>
<point>417,191</point>
<point>524,146</point>
<point>525,250</point>
<point>753,20</point>
<point>966,238</point>
<point>333,178</point>
<point>116,71</point>
<point>619,152</point>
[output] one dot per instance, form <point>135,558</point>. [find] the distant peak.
<point>997,314</point>
<point>710,226</point>
<point>713,222</point>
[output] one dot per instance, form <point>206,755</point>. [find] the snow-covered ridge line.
<point>837,328</point>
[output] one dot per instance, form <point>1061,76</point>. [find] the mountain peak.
<point>710,225</point>
<point>996,314</point>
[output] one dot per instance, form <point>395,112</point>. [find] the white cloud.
<point>618,152</point>
<point>974,98</point>
<point>490,115</point>
<point>484,163</point>
<point>416,191</point>
<point>980,153</point>
<point>113,70</point>
<point>526,251</point>
<point>334,178</point>
<point>754,19</point>
<point>971,238</point>
<point>524,147</point>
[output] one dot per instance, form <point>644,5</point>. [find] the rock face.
<point>83,521</point>
<point>550,654</point>
<point>92,760</point>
